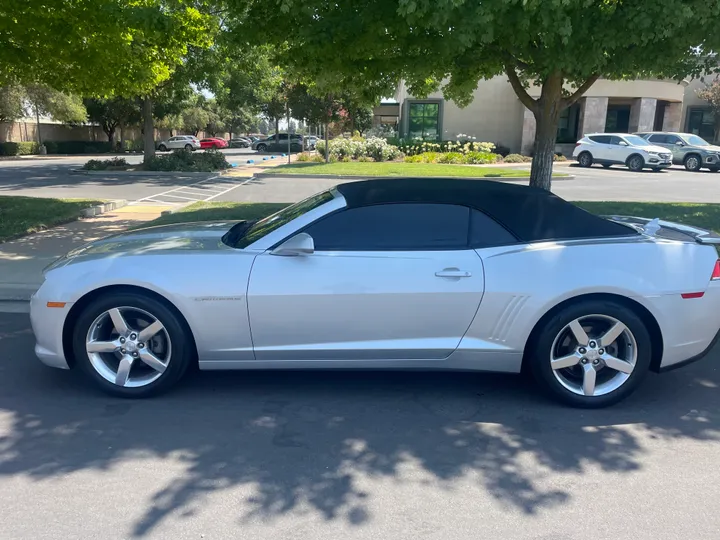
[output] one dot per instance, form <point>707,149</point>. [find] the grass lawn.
<point>706,216</point>
<point>357,168</point>
<point>25,215</point>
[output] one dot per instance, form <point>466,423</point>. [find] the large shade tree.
<point>561,46</point>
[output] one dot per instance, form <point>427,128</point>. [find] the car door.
<point>389,282</point>
<point>601,149</point>
<point>619,149</point>
<point>677,146</point>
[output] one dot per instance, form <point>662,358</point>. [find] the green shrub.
<point>516,158</point>
<point>481,158</point>
<point>559,157</point>
<point>303,156</point>
<point>77,147</point>
<point>450,157</point>
<point>365,159</point>
<point>417,158</point>
<point>184,161</point>
<point>18,148</point>
<point>102,165</point>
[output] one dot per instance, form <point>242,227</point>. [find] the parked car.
<point>609,149</point>
<point>187,142</point>
<point>687,149</point>
<point>213,142</point>
<point>279,143</point>
<point>418,273</point>
<point>240,142</point>
<point>311,142</point>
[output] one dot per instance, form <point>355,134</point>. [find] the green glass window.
<point>424,121</point>
<point>702,122</point>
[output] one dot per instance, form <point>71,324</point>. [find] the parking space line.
<point>230,189</point>
<point>164,193</point>
<point>184,198</point>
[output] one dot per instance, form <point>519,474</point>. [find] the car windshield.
<point>258,229</point>
<point>636,141</point>
<point>696,141</point>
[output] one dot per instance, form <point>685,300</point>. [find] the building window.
<point>568,125</point>
<point>617,119</point>
<point>701,122</point>
<point>424,121</point>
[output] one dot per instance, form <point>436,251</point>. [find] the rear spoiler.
<point>665,229</point>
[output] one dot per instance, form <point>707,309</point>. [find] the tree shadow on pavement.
<point>304,441</point>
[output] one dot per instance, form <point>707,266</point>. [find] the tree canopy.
<point>563,46</point>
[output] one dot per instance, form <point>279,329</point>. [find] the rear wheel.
<point>261,148</point>
<point>189,147</point>
<point>585,159</point>
<point>693,162</point>
<point>635,163</point>
<point>162,148</point>
<point>131,345</point>
<point>591,354</point>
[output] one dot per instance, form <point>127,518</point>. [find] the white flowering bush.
<point>464,144</point>
<point>375,148</point>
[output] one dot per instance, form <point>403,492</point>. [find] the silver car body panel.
<point>250,309</point>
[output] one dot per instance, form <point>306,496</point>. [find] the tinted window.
<point>393,227</point>
<point>614,139</point>
<point>636,141</point>
<point>671,139</point>
<point>602,139</point>
<point>486,232</point>
<point>662,139</point>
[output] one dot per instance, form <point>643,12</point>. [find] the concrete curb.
<point>359,177</point>
<point>102,208</point>
<point>146,173</point>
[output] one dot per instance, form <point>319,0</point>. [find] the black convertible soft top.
<point>531,214</point>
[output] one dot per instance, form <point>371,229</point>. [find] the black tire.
<point>182,352</point>
<point>189,147</point>
<point>162,148</point>
<point>540,350</point>
<point>607,165</point>
<point>261,148</point>
<point>692,162</point>
<point>635,163</point>
<point>585,159</point>
<point>714,169</point>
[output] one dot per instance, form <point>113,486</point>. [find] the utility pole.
<point>287,106</point>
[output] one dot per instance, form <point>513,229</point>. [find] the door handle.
<point>453,272</point>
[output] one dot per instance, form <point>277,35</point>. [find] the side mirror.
<point>679,143</point>
<point>623,143</point>
<point>300,244</point>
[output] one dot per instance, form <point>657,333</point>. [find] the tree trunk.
<point>327,145</point>
<point>277,128</point>
<point>122,137</point>
<point>547,115</point>
<point>37,125</point>
<point>110,132</point>
<point>148,130</point>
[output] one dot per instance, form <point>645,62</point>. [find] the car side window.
<point>671,139</point>
<point>393,227</point>
<point>486,232</point>
<point>602,139</point>
<point>615,140</point>
<point>657,138</point>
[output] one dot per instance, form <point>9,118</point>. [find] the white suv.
<point>188,142</point>
<point>621,149</point>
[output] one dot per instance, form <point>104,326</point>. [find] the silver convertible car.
<point>430,274</point>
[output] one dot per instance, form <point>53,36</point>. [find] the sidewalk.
<point>22,261</point>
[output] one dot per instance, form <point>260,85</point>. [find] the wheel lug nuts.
<point>133,336</point>
<point>601,351</point>
<point>122,351</point>
<point>582,350</point>
<point>596,362</point>
<point>141,345</point>
<point>592,344</point>
<point>135,354</point>
<point>122,340</point>
<point>583,361</point>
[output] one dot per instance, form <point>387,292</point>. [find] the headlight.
<point>653,153</point>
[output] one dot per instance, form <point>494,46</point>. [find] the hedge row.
<point>54,147</point>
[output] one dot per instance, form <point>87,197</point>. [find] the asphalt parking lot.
<point>323,456</point>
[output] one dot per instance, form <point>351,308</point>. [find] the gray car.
<point>687,149</point>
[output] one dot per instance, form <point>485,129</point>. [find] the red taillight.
<point>716,271</point>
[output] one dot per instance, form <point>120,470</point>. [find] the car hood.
<point>181,237</point>
<point>658,149</point>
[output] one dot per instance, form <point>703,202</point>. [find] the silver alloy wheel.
<point>585,159</point>
<point>128,346</point>
<point>692,163</point>
<point>593,355</point>
<point>636,163</point>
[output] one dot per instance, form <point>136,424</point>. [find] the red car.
<point>213,142</point>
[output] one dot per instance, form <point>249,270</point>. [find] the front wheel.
<point>162,148</point>
<point>635,163</point>
<point>131,345</point>
<point>261,148</point>
<point>693,163</point>
<point>189,147</point>
<point>585,159</point>
<point>591,354</point>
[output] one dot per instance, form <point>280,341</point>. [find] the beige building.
<point>496,115</point>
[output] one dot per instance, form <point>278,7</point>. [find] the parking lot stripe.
<point>230,189</point>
